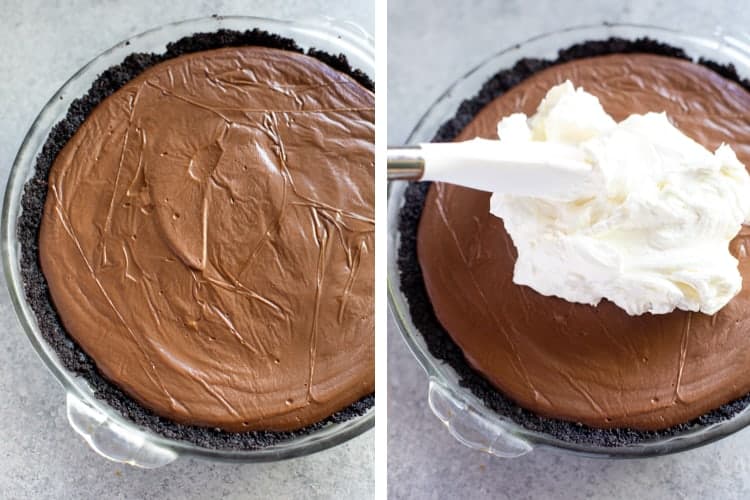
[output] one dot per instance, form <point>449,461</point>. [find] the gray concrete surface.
<point>428,47</point>
<point>41,44</point>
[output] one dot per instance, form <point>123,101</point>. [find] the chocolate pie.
<point>581,373</point>
<point>205,229</point>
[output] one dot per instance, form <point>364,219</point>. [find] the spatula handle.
<point>405,163</point>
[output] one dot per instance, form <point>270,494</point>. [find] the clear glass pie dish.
<point>105,429</point>
<point>467,418</point>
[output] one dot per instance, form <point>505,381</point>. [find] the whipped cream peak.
<point>569,115</point>
<point>653,237</point>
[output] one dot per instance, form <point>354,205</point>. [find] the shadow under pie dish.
<point>208,260</point>
<point>508,364</point>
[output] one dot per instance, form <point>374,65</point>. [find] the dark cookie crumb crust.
<point>439,341</point>
<point>35,284</point>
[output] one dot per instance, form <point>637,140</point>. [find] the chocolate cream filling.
<point>594,365</point>
<point>208,239</point>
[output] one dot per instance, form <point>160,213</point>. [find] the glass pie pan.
<point>106,430</point>
<point>464,414</point>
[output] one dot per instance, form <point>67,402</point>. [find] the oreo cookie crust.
<point>438,340</point>
<point>35,285</point>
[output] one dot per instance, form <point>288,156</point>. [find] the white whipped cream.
<point>654,237</point>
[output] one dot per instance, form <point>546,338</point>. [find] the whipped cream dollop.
<point>653,237</point>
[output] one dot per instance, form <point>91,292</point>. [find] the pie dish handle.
<point>471,428</point>
<point>112,440</point>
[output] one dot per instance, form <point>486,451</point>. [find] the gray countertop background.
<point>42,43</point>
<point>429,47</point>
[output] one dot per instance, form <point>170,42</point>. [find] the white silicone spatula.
<point>547,170</point>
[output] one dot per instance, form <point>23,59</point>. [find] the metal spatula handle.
<point>405,163</point>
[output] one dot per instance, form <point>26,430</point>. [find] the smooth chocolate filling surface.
<point>208,239</point>
<point>594,365</point>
